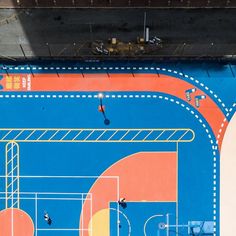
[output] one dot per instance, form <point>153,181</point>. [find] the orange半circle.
<point>15,222</point>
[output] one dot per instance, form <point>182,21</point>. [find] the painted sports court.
<point>77,137</point>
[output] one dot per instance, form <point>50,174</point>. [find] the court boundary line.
<point>224,122</point>
<point>139,68</point>
<point>126,217</point>
<point>214,146</point>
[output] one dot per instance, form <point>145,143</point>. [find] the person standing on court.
<point>47,218</point>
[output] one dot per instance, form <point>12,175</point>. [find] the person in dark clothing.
<point>47,218</point>
<point>122,203</point>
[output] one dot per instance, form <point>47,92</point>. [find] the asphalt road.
<point>116,3</point>
<point>69,32</point>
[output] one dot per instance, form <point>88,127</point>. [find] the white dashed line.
<point>134,68</point>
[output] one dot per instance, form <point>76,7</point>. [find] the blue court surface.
<point>58,155</point>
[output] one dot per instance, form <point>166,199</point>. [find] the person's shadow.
<point>123,205</point>
<point>49,221</point>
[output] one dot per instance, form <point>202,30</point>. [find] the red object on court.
<point>101,108</point>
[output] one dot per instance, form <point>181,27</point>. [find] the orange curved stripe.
<point>119,82</point>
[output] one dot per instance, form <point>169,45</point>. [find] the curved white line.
<point>231,110</point>
<point>144,227</point>
<point>129,225</point>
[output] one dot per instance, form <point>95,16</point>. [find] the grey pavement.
<point>116,3</point>
<point>69,32</point>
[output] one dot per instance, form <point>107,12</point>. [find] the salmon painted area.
<point>116,82</point>
<point>221,132</point>
<point>15,222</point>
<point>141,177</point>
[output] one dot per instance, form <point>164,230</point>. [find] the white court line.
<point>77,135</point>
<point>145,224</point>
<point>159,135</point>
<point>127,219</point>
<point>91,215</point>
<point>147,135</point>
<point>112,135</point>
<point>36,214</point>
<point>12,182</point>
<point>89,135</point>
<point>41,135</point>
<point>18,135</point>
<point>47,198</point>
<point>183,134</point>
<point>171,135</point>
<point>124,134</point>
<point>65,177</point>
<point>6,135</point>
<point>101,135</point>
<point>51,193</point>
<point>62,229</point>
<point>82,214</point>
<point>136,134</point>
<point>147,68</point>
<point>65,134</point>
<point>12,198</point>
<point>167,222</point>
<point>11,194</point>
<point>118,206</point>
<point>199,120</point>
<point>53,135</point>
<point>12,159</point>
<point>14,203</point>
<point>11,172</point>
<point>30,135</point>
<point>12,146</point>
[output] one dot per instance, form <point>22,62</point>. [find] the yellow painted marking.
<point>12,159</point>
<point>113,135</point>
<point>85,129</point>
<point>9,174</point>
<point>100,223</point>
<point>91,131</point>
<point>6,153</point>
<point>42,135</point>
<point>54,134</point>
<point>8,179</point>
<point>77,135</point>
<point>159,135</point>
<point>12,182</point>
<point>102,141</point>
<point>16,202</point>
<point>89,135</point>
<point>18,134</point>
<point>6,134</point>
<point>124,135</point>
<point>18,175</point>
<point>12,194</point>
<point>177,186</point>
<point>171,135</point>
<point>101,135</point>
<point>30,135</point>
<point>136,135</point>
<point>11,148</point>
<point>147,135</point>
<point>183,135</point>
<point>65,135</point>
